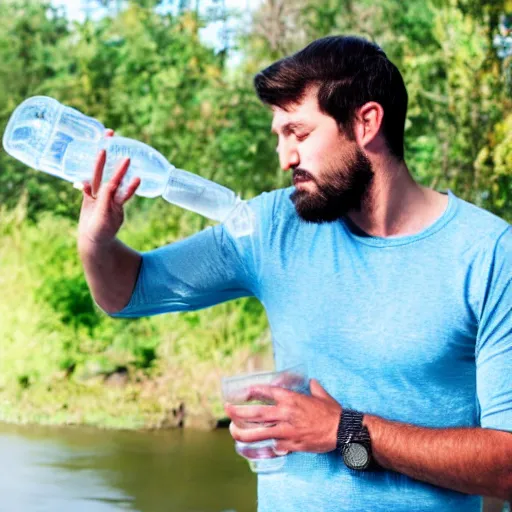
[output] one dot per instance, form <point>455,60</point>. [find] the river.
<point>48,469</point>
<point>88,470</point>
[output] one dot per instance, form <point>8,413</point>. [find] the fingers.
<point>98,172</point>
<point>283,447</point>
<point>87,189</point>
<point>110,188</point>
<point>255,413</point>
<point>120,172</point>
<point>253,435</point>
<point>132,187</point>
<point>97,175</point>
<point>318,391</point>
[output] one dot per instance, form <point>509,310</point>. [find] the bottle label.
<point>180,186</point>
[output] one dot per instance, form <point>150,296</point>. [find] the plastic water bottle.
<point>61,141</point>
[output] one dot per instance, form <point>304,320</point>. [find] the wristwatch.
<point>353,441</point>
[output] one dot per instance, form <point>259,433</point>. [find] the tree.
<point>455,133</point>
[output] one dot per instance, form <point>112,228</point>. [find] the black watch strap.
<point>351,430</point>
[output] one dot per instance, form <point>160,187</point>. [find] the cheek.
<point>314,153</point>
<point>338,156</point>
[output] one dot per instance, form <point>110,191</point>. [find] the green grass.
<point>57,349</point>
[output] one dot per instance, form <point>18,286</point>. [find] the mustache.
<point>301,173</point>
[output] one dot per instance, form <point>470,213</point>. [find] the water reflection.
<point>62,469</point>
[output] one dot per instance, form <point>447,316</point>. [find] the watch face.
<point>356,456</point>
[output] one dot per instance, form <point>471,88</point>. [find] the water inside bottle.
<point>199,195</point>
<point>62,141</point>
<point>41,129</point>
<point>145,162</point>
<point>71,127</point>
<point>29,129</point>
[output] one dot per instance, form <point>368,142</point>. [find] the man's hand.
<point>298,422</point>
<point>111,268</point>
<point>102,213</point>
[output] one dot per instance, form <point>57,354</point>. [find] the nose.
<point>288,156</point>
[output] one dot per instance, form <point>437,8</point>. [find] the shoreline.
<point>184,396</point>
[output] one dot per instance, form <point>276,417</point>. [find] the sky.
<point>209,35</point>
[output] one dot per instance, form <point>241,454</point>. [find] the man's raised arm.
<point>111,268</point>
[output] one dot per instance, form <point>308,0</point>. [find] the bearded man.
<point>396,296</point>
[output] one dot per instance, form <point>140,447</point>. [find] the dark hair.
<point>349,72</point>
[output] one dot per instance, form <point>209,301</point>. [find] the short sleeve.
<point>200,271</point>
<point>494,341</point>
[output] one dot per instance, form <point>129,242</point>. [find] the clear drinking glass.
<point>235,390</point>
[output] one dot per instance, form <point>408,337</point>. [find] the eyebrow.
<point>289,127</point>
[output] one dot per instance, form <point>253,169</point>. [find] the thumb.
<point>317,390</point>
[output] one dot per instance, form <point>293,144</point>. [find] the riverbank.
<point>185,395</point>
<point>64,362</point>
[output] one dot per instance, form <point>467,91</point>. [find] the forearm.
<point>468,460</point>
<point>111,272</point>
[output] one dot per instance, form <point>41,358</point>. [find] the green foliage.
<point>494,167</point>
<point>50,324</point>
<point>149,76</point>
<point>458,88</point>
<point>71,300</point>
<point>61,281</point>
<point>30,32</point>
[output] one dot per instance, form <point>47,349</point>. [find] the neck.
<point>396,205</point>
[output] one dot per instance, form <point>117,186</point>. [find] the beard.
<point>341,191</point>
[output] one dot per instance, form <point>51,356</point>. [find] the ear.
<point>368,121</point>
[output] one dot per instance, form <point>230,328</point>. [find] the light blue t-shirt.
<point>416,329</point>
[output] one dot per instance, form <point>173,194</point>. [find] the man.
<point>396,296</point>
